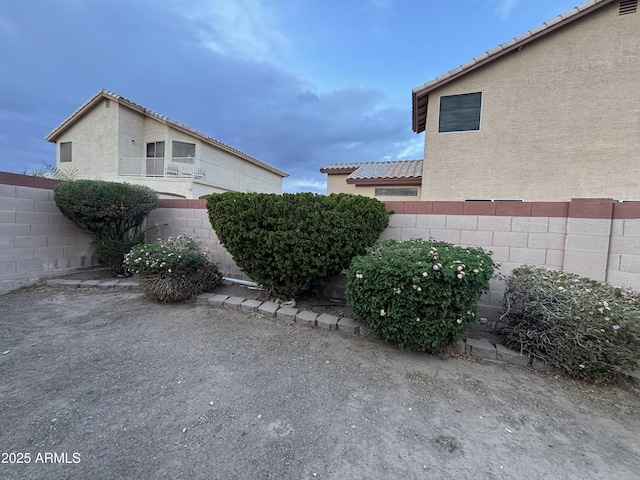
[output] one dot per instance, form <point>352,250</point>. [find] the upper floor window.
<point>182,149</point>
<point>460,113</point>
<point>65,151</point>
<point>155,150</point>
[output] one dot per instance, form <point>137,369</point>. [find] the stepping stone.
<point>327,321</point>
<point>348,325</point>
<point>250,305</point>
<point>217,300</point>
<point>287,313</point>
<point>305,317</point>
<point>268,309</point>
<point>233,303</point>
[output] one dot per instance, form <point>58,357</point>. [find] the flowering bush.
<point>172,270</point>
<point>588,328</point>
<point>419,294</point>
<point>286,242</point>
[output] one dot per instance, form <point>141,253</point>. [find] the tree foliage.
<point>286,242</point>
<point>112,213</point>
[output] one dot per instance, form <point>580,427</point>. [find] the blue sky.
<point>295,83</point>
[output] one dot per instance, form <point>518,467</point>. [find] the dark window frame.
<point>157,151</point>
<point>66,152</point>
<point>460,112</point>
<point>181,146</point>
<point>395,192</point>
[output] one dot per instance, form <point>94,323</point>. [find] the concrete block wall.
<point>596,238</point>
<point>176,217</point>
<point>36,240</point>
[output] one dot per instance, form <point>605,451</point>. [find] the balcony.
<point>190,168</point>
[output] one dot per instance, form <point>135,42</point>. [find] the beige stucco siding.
<point>560,119</point>
<point>93,142</point>
<point>337,183</point>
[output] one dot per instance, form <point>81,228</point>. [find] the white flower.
<point>382,313</point>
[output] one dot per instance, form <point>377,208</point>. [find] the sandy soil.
<point>141,390</point>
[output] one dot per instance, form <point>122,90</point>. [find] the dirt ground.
<point>103,384</point>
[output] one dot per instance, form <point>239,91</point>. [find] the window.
<point>65,151</point>
<point>155,159</point>
<point>182,149</point>
<point>460,113</point>
<point>155,150</point>
<point>396,192</point>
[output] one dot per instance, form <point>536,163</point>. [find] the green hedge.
<point>112,213</point>
<point>286,242</point>
<point>589,329</point>
<point>421,295</point>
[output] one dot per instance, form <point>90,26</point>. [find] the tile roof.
<point>88,105</point>
<point>421,93</point>
<point>407,170</point>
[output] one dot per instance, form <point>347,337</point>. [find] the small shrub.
<point>173,270</point>
<point>587,328</point>
<point>419,294</point>
<point>286,242</point>
<point>112,213</point>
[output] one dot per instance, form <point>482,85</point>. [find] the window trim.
<point>173,145</point>
<point>376,195</point>
<point>480,92</point>
<point>63,153</point>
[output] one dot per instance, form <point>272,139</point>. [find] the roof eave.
<point>88,105</point>
<point>420,95</point>
<point>338,171</point>
<point>385,181</point>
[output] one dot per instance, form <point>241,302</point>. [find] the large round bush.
<point>421,295</point>
<point>286,242</point>
<point>112,213</point>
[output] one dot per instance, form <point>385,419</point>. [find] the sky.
<point>298,84</point>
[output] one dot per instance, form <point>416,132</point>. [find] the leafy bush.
<point>286,242</point>
<point>419,294</point>
<point>588,328</point>
<point>112,213</point>
<point>173,270</point>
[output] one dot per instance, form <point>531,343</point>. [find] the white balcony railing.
<point>196,169</point>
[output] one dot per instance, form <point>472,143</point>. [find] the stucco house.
<point>114,139</point>
<point>550,115</point>
<point>390,180</point>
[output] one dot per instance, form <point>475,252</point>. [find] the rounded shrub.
<point>589,329</point>
<point>286,242</point>
<point>112,213</point>
<point>421,295</point>
<point>174,270</point>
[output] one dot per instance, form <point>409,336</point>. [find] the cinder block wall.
<point>176,217</point>
<point>596,238</point>
<point>36,241</point>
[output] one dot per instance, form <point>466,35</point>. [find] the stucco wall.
<point>560,119</point>
<point>104,135</point>
<point>337,183</point>
<point>36,241</point>
<point>94,143</point>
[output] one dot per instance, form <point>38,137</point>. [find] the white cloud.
<point>244,28</point>
<point>292,185</point>
<point>504,8</point>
